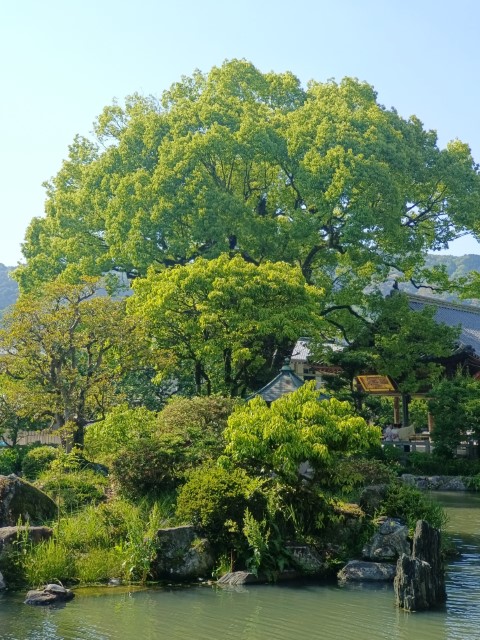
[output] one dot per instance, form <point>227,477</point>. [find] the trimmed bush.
<point>75,489</point>
<point>38,460</point>
<point>146,467</point>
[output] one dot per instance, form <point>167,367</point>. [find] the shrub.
<point>216,500</point>
<point>10,460</point>
<point>408,503</point>
<point>146,467</point>
<point>75,489</point>
<point>38,460</point>
<point>199,422</point>
<point>121,427</point>
<point>433,464</point>
<point>360,472</point>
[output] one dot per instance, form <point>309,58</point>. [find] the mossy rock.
<point>19,500</point>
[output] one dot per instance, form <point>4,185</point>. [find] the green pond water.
<point>281,612</point>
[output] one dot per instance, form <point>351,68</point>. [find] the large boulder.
<point>420,578</point>
<point>360,571</point>
<point>32,534</point>
<point>388,543</point>
<point>182,555</point>
<point>19,500</point>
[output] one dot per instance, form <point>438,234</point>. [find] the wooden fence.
<point>42,437</point>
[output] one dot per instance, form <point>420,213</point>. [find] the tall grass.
<point>110,540</point>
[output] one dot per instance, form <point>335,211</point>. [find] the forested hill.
<point>8,287</point>
<point>457,266</point>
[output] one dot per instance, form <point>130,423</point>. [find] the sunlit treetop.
<point>253,164</point>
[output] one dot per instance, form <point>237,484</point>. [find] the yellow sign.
<point>376,384</point>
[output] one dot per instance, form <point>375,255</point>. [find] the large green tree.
<point>226,321</point>
<point>239,161</point>
<point>63,350</point>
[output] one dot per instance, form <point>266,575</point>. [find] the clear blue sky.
<point>64,60</point>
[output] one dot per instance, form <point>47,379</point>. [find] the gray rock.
<point>388,543</point>
<point>420,578</point>
<point>358,570</point>
<point>372,497</point>
<point>182,555</point>
<point>32,534</point>
<point>50,594</point>
<point>307,559</point>
<point>236,578</point>
<point>435,483</point>
<point>21,500</point>
<point>2,583</point>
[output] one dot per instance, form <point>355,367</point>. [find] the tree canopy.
<point>62,351</point>
<point>296,428</point>
<point>252,163</point>
<point>225,320</point>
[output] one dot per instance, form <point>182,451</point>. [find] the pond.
<point>282,612</point>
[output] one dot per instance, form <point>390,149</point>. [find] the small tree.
<point>225,320</point>
<point>63,350</point>
<point>455,407</point>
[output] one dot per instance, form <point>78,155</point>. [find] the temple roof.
<point>453,315</point>
<point>285,382</point>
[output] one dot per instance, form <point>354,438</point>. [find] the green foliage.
<point>10,460</point>
<point>242,161</point>
<point>49,562</point>
<point>455,406</point>
<point>115,539</point>
<point>435,464</point>
<point>199,423</point>
<point>74,489</point>
<point>216,499</point>
<point>394,340</point>
<point>121,426</point>
<point>64,347</point>
<point>296,428</point>
<point>98,565</point>
<point>351,473</point>
<point>267,554</point>
<point>408,503</point>
<point>225,318</point>
<point>147,467</point>
<point>38,460</point>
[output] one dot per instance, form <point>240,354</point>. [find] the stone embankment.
<point>436,483</point>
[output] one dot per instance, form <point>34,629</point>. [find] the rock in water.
<point>420,578</point>
<point>50,594</point>
<point>359,571</point>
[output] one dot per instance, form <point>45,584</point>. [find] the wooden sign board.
<point>376,384</point>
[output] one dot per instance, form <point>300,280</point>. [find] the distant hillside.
<point>8,287</point>
<point>457,266</point>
